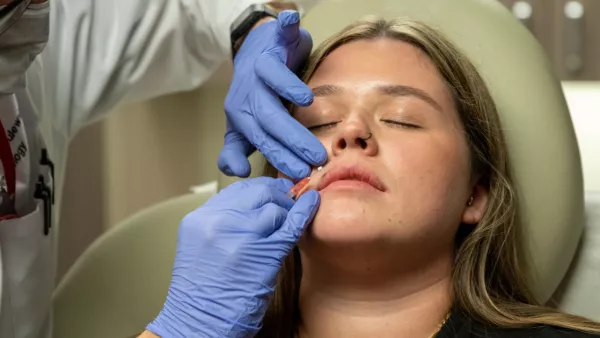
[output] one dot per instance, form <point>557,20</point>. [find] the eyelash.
<point>401,124</point>
<point>323,126</point>
<point>392,122</point>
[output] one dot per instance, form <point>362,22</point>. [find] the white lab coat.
<point>100,52</point>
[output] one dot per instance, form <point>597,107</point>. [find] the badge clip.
<point>43,192</point>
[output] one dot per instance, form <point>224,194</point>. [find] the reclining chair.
<point>119,284</point>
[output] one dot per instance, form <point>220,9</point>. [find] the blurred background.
<point>150,151</point>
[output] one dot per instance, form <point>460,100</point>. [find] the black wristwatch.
<point>245,21</point>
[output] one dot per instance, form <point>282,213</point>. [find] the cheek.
<point>432,167</point>
<point>350,219</point>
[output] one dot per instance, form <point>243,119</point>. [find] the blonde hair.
<point>489,279</point>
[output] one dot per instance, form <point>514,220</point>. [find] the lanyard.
<point>8,162</point>
<point>7,205</point>
<point>15,184</point>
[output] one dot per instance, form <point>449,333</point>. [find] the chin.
<point>348,220</point>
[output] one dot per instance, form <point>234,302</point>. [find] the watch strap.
<point>246,20</point>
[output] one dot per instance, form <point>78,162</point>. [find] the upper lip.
<point>350,172</point>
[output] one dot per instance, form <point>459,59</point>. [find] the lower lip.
<point>351,185</point>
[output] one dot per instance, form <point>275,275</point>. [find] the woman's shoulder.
<point>552,332</point>
<point>543,331</point>
<point>460,326</point>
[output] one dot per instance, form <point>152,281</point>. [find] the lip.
<point>350,176</point>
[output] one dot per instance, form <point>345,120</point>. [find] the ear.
<point>475,205</point>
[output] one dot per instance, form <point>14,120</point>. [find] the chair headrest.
<point>534,114</point>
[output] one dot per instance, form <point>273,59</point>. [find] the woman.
<point>418,231</point>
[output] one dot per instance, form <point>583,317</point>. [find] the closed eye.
<point>323,126</point>
<point>401,124</point>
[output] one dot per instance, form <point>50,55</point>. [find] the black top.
<point>459,326</point>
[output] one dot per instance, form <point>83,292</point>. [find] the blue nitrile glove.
<point>256,118</point>
<point>229,252</point>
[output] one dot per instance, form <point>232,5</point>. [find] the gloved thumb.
<point>233,159</point>
<point>299,217</point>
<point>288,29</point>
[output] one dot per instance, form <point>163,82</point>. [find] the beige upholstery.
<point>531,104</point>
<point>120,283</point>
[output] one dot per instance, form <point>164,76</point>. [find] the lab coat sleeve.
<point>102,52</point>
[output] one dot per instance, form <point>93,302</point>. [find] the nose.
<point>355,136</point>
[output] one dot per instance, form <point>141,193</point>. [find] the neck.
<point>409,302</point>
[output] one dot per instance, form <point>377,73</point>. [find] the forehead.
<point>360,64</point>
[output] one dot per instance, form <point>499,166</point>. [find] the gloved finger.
<point>277,154</point>
<point>233,159</point>
<point>281,184</point>
<point>299,217</point>
<point>288,29</point>
<point>275,74</point>
<point>286,161</point>
<point>253,194</point>
<point>295,40</point>
<point>260,195</point>
<point>299,56</point>
<point>267,219</point>
<point>278,123</point>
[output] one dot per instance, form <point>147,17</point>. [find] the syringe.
<point>300,187</point>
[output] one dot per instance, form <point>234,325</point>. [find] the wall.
<point>83,213</point>
<point>583,99</point>
<point>159,149</point>
<point>141,154</point>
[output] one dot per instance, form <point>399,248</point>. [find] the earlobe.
<point>475,205</point>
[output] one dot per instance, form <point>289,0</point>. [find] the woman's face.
<point>410,181</point>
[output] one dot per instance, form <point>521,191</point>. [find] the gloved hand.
<point>256,118</point>
<point>229,252</point>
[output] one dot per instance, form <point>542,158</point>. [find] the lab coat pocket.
<point>27,263</point>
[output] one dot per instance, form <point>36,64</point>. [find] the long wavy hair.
<point>490,283</point>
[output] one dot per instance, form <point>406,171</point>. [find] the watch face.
<point>245,21</point>
<point>249,17</point>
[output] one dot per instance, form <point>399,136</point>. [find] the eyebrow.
<point>391,90</point>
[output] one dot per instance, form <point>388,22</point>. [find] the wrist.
<point>237,44</point>
<point>241,317</point>
<point>148,334</point>
<point>271,10</point>
<point>280,6</point>
<point>261,21</point>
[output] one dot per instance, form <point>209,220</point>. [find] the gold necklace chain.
<point>441,325</point>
